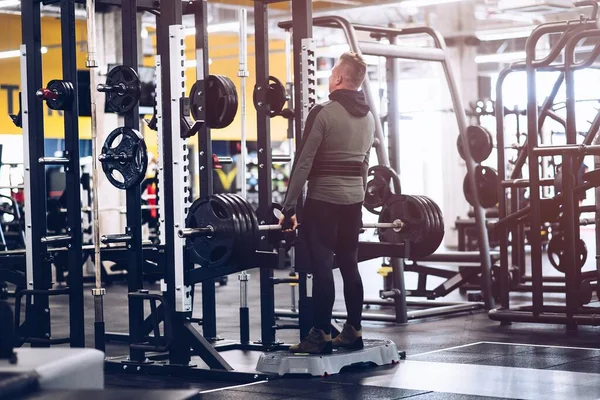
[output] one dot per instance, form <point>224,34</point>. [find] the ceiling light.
<point>425,3</point>
<point>9,54</point>
<point>216,28</point>
<point>503,34</point>
<point>500,58</point>
<point>17,53</point>
<point>192,63</point>
<point>9,3</point>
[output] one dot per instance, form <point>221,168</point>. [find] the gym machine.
<point>382,178</point>
<point>563,208</point>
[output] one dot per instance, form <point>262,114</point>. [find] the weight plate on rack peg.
<point>124,158</point>
<point>486,179</point>
<point>480,143</point>
<point>556,252</point>
<point>123,89</point>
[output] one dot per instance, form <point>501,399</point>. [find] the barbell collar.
<point>114,157</point>
<point>47,94</point>
<point>119,88</point>
<point>192,232</point>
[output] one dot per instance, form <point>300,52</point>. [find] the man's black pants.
<point>330,230</point>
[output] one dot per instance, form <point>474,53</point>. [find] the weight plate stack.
<point>254,238</point>
<point>245,248</point>
<point>65,93</point>
<point>219,249</point>
<point>417,223</point>
<point>437,232</point>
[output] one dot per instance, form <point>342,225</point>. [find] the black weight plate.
<point>216,102</point>
<point>487,187</point>
<point>217,250</point>
<point>440,217</point>
<point>480,143</point>
<point>387,173</point>
<point>556,251</point>
<point>244,248</point>
<point>240,239</point>
<point>434,239</point>
<point>228,101</point>
<point>254,222</point>
<point>276,96</point>
<point>377,192</point>
<point>65,93</point>
<point>427,231</point>
<point>411,213</point>
<point>133,146</point>
<point>122,103</point>
<point>232,101</point>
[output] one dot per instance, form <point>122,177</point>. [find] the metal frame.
<point>37,263</point>
<point>436,54</point>
<point>572,32</point>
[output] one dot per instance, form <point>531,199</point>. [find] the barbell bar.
<point>223,229</point>
<point>397,226</point>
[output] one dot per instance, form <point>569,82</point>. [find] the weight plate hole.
<point>117,176</point>
<point>116,142</point>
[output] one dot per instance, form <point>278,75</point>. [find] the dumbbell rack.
<point>38,271</point>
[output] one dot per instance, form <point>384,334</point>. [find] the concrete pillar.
<point>108,27</point>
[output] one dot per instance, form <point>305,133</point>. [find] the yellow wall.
<point>223,52</point>
<point>10,75</point>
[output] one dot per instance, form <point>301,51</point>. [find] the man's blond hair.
<point>354,67</point>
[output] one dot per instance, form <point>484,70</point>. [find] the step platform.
<point>376,351</point>
<point>58,367</point>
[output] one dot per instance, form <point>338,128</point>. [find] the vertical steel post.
<point>133,195</point>
<point>72,175</point>
<point>267,292</point>
<point>534,180</point>
<point>302,29</point>
<point>170,14</point>
<point>39,274</point>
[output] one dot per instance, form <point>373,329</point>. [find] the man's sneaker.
<point>349,338</point>
<point>316,342</point>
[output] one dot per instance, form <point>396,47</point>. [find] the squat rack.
<point>38,263</point>
<point>181,275</point>
<point>572,32</point>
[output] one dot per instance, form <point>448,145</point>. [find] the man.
<point>334,158</point>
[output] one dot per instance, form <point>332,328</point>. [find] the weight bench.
<point>469,263</point>
<point>394,293</point>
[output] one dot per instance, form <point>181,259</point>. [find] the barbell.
<point>210,230</point>
<point>223,229</point>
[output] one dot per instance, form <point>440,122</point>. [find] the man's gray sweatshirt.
<point>334,154</point>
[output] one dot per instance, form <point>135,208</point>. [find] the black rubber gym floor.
<point>465,339</point>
